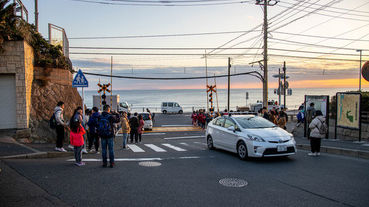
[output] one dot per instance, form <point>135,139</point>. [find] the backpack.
<point>104,128</point>
<point>323,128</point>
<point>52,122</point>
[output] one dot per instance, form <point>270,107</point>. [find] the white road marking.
<point>185,144</point>
<point>155,148</point>
<point>153,134</point>
<point>200,143</point>
<point>174,147</point>
<point>120,159</point>
<point>184,125</point>
<point>135,148</point>
<point>137,159</point>
<point>187,137</point>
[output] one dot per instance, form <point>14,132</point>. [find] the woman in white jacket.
<point>316,135</point>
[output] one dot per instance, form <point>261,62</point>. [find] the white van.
<point>124,106</point>
<point>171,107</point>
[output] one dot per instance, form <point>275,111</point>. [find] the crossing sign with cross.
<point>80,80</point>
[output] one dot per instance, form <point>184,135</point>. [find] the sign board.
<point>80,80</point>
<point>247,95</point>
<point>348,110</point>
<point>365,71</point>
<point>320,103</point>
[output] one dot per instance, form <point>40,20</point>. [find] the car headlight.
<point>255,138</point>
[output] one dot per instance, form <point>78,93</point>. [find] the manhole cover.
<point>233,182</point>
<point>149,164</point>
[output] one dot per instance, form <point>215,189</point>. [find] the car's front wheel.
<point>164,112</point>
<point>180,112</point>
<point>242,151</point>
<point>210,143</point>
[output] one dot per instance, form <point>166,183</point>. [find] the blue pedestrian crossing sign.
<point>80,80</point>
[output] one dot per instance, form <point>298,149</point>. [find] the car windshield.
<point>254,122</point>
<point>145,117</point>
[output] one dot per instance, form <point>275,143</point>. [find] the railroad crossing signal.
<point>210,90</point>
<point>103,88</point>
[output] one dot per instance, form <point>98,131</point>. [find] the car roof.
<point>241,116</point>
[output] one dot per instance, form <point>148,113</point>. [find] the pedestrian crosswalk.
<point>165,147</point>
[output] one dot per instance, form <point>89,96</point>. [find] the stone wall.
<point>351,134</point>
<point>18,59</point>
<point>50,86</point>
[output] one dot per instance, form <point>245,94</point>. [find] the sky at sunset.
<point>318,40</point>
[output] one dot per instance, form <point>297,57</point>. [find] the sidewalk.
<point>332,146</point>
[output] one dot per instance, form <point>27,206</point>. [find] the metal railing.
<point>57,36</point>
<point>20,10</point>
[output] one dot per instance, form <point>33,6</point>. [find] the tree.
<point>7,22</point>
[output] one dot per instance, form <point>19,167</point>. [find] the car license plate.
<point>281,148</point>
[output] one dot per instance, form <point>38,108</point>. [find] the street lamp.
<point>360,69</point>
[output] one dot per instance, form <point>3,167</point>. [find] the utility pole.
<point>111,81</point>
<point>266,3</point>
<point>360,69</point>
<point>229,82</point>
<point>279,86</point>
<point>284,83</point>
<point>36,14</point>
<point>206,87</point>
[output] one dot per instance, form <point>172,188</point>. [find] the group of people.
<point>96,127</point>
<point>201,118</point>
<point>278,117</point>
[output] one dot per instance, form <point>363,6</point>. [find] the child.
<point>76,139</point>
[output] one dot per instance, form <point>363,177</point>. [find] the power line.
<point>344,12</point>
<point>183,78</point>
<point>337,8</point>
<point>164,35</point>
<point>315,45</point>
<point>314,58</point>
<point>328,15</point>
<point>163,3</point>
<point>153,54</point>
<point>186,48</point>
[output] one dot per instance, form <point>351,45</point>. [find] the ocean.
<point>196,98</point>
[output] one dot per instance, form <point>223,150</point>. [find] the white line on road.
<point>184,125</point>
<point>135,148</point>
<point>155,148</point>
<point>120,159</point>
<point>174,147</point>
<point>187,137</point>
<point>137,159</point>
<point>185,144</point>
<point>153,134</point>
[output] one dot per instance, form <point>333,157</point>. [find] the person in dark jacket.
<point>107,135</point>
<point>93,124</point>
<point>134,124</point>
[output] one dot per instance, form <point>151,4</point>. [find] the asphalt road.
<point>189,175</point>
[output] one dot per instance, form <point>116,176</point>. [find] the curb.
<point>39,155</point>
<point>338,151</point>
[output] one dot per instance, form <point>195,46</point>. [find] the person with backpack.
<point>93,123</point>
<point>107,134</point>
<point>134,123</point>
<point>76,138</point>
<point>60,125</point>
<point>318,130</point>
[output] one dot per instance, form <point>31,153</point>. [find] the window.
<point>176,105</point>
<point>170,104</point>
<point>253,122</point>
<point>165,105</point>
<point>229,123</point>
<point>219,122</point>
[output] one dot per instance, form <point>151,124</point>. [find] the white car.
<point>249,136</point>
<point>171,107</point>
<point>147,119</point>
